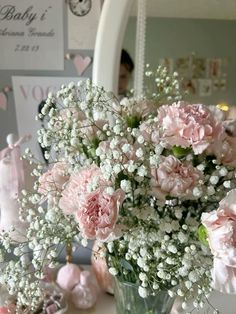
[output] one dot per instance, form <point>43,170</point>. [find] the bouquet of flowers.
<point>136,175</point>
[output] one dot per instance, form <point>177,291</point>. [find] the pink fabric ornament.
<point>68,276</point>
<point>84,294</point>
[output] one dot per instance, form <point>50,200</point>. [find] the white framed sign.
<point>31,35</point>
<point>83,18</point>
<point>29,92</point>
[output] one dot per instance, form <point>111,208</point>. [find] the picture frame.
<point>214,68</point>
<point>205,87</point>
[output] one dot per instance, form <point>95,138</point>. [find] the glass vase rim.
<point>136,285</point>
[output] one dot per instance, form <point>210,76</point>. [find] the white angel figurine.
<point>14,177</point>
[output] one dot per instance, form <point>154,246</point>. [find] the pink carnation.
<point>78,185</point>
<point>174,178</point>
<point>98,212</point>
<point>95,210</point>
<point>53,180</point>
<point>90,129</point>
<point>221,229</point>
<point>72,113</point>
<point>225,148</point>
<point>223,276</point>
<point>150,131</point>
<point>138,108</point>
<point>189,125</point>
<point>145,107</point>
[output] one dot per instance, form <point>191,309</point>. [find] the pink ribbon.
<point>17,168</point>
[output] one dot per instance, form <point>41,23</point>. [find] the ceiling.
<point>205,9</point>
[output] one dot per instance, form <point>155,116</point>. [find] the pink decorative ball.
<point>84,294</point>
<point>68,276</point>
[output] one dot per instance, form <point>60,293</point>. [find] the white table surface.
<point>105,305</point>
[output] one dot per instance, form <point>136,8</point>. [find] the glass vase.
<point>128,300</point>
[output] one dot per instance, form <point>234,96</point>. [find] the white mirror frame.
<point>109,40</point>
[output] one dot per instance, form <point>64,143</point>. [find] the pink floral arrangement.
<point>140,176</point>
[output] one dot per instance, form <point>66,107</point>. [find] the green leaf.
<point>133,121</point>
<point>126,264</point>
<point>92,152</point>
<point>95,142</point>
<point>180,152</point>
<point>202,235</point>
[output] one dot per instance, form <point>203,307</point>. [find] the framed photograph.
<point>190,86</point>
<point>205,87</point>
<point>223,84</point>
<point>199,68</point>
<point>183,67</point>
<point>214,68</point>
<point>219,84</point>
